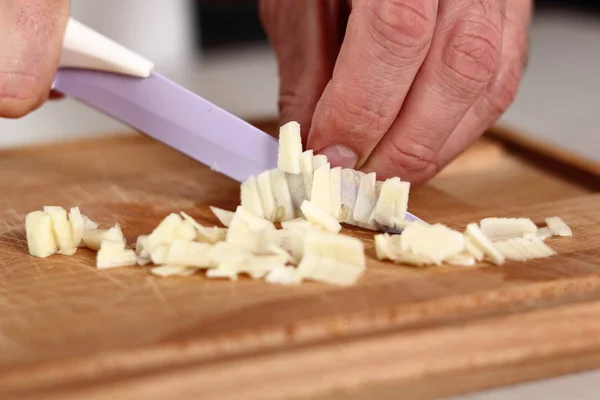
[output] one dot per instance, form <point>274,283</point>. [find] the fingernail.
<point>340,156</point>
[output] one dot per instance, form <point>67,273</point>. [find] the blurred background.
<point>219,50</point>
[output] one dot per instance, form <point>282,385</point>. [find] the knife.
<point>122,84</point>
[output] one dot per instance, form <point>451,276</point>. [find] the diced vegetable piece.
<point>224,216</point>
<point>329,270</point>
<point>159,254</point>
<point>290,148</point>
<point>299,223</point>
<point>255,222</point>
<point>350,181</point>
<point>240,234</point>
<point>204,234</point>
<point>318,217</point>
<point>282,275</point>
<point>141,246</point>
<point>60,227</point>
<point>251,197</point>
<point>224,252</point>
<point>77,226</point>
<point>40,236</point>
<point>365,199</point>
<point>307,170</point>
<point>225,270</point>
<point>172,270</point>
<point>297,192</point>
<point>164,233</point>
<point>339,247</point>
<point>319,160</point>
<point>281,193</point>
<point>112,254</point>
<point>190,254</point>
<point>505,228</point>
<point>558,227</point>
<point>461,259</point>
<point>93,238</point>
<point>484,244</point>
<point>335,190</point>
<point>185,231</point>
<point>266,195</point>
<point>544,233</point>
<point>392,202</point>
<point>473,250</point>
<point>321,190</point>
<point>436,242</point>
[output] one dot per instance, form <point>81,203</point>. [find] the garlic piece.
<point>40,236</point>
<point>558,227</point>
<point>224,216</point>
<point>290,148</point>
<point>318,217</point>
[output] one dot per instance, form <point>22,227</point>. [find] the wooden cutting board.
<point>70,331</point>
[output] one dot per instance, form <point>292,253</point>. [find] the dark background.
<point>235,22</point>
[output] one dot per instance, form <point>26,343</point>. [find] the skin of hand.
<point>31,35</point>
<point>397,87</point>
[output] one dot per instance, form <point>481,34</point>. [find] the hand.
<point>398,87</point>
<point>31,33</point>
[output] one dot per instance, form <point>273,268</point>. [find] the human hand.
<point>31,33</point>
<point>398,87</point>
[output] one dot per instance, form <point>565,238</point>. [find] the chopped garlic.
<point>558,227</point>
<point>172,270</point>
<point>436,242</point>
<point>259,266</point>
<point>384,249</point>
<point>335,191</point>
<point>484,244</point>
<point>185,231</point>
<point>505,228</point>
<point>365,199</point>
<point>60,227</point>
<point>224,216</point>
<point>190,254</point>
<point>255,222</point>
<point>40,237</point>
<point>159,254</point>
<point>320,195</point>
<point>544,233</point>
<point>329,270</point>
<point>306,168</point>
<point>297,191</point>
<point>241,234</point>
<point>523,249</point>
<point>318,217</point>
<point>89,224</point>
<point>204,234</point>
<point>343,248</point>
<point>281,193</point>
<point>283,275</point>
<point>112,254</point>
<point>250,197</point>
<point>93,238</point>
<point>473,250</point>
<point>223,252</point>
<point>141,246</point>
<point>461,259</point>
<point>224,270</point>
<point>266,195</point>
<point>164,233</point>
<point>350,181</point>
<point>319,160</point>
<point>290,148</point>
<point>392,202</point>
<point>77,226</point>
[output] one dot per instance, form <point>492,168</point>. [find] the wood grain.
<point>70,331</point>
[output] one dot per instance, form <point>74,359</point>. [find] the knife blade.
<point>175,116</point>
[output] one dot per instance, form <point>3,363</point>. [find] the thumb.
<point>31,33</point>
<point>306,35</point>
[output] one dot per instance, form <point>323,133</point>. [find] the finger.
<point>385,44</point>
<point>306,35</point>
<point>502,90</point>
<point>31,34</point>
<point>464,56</point>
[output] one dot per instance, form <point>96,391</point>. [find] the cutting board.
<point>70,331</point>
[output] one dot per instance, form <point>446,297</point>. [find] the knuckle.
<point>361,116</point>
<point>413,157</point>
<point>472,51</point>
<point>401,24</point>
<point>503,90</point>
<point>19,94</point>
